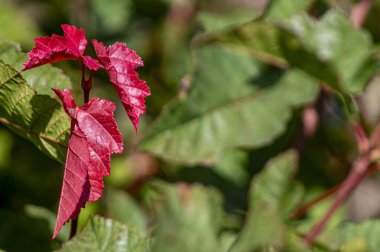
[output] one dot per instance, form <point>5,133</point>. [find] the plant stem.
<point>86,85</point>
<point>358,172</point>
<point>361,138</point>
<point>74,227</point>
<point>304,208</point>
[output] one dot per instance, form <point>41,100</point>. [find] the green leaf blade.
<point>38,118</point>
<point>101,235</point>
<point>231,104</point>
<point>265,221</point>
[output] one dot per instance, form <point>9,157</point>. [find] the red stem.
<point>360,168</point>
<point>358,172</point>
<point>361,138</point>
<point>86,85</point>
<point>304,208</point>
<point>74,227</point>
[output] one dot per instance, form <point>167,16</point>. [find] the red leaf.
<point>70,46</point>
<point>91,63</point>
<point>120,63</point>
<point>94,136</point>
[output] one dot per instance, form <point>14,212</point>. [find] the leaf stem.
<point>74,227</point>
<point>304,208</point>
<point>86,85</point>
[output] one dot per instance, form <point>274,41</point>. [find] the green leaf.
<point>112,16</point>
<point>6,140</point>
<point>42,78</point>
<point>217,22</point>
<point>233,101</point>
<point>33,232</point>
<point>265,225</point>
<point>282,9</point>
<point>330,49</point>
<point>101,235</point>
<point>43,214</point>
<point>189,218</point>
<point>360,236</point>
<point>123,208</point>
<point>233,167</point>
<point>38,118</point>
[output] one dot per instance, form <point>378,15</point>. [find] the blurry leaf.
<point>218,22</point>
<point>233,166</point>
<point>233,101</point>
<point>227,239</point>
<point>41,213</point>
<point>40,79</point>
<point>111,16</point>
<point>345,50</point>
<point>20,232</point>
<point>6,141</point>
<point>265,221</point>
<point>16,25</point>
<point>330,235</point>
<point>356,237</point>
<point>282,9</point>
<point>122,174</point>
<point>294,244</point>
<point>122,207</point>
<point>189,218</point>
<point>102,234</point>
<point>293,198</point>
<point>38,118</point>
<point>91,209</point>
<point>330,49</point>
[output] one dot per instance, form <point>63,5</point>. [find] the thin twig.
<point>357,173</point>
<point>361,138</point>
<point>18,127</point>
<point>304,208</point>
<point>359,168</point>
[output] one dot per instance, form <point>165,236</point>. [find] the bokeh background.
<point>161,32</point>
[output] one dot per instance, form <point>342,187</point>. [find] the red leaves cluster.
<point>119,61</point>
<point>94,134</point>
<point>70,46</point>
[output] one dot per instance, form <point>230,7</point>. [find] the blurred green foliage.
<point>211,168</point>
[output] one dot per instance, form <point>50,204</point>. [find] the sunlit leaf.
<point>233,101</point>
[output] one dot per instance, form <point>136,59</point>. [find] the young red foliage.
<point>94,136</point>
<point>120,63</point>
<point>70,46</point>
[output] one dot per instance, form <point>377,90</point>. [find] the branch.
<point>358,172</point>
<point>18,127</point>
<point>304,208</point>
<point>361,138</point>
